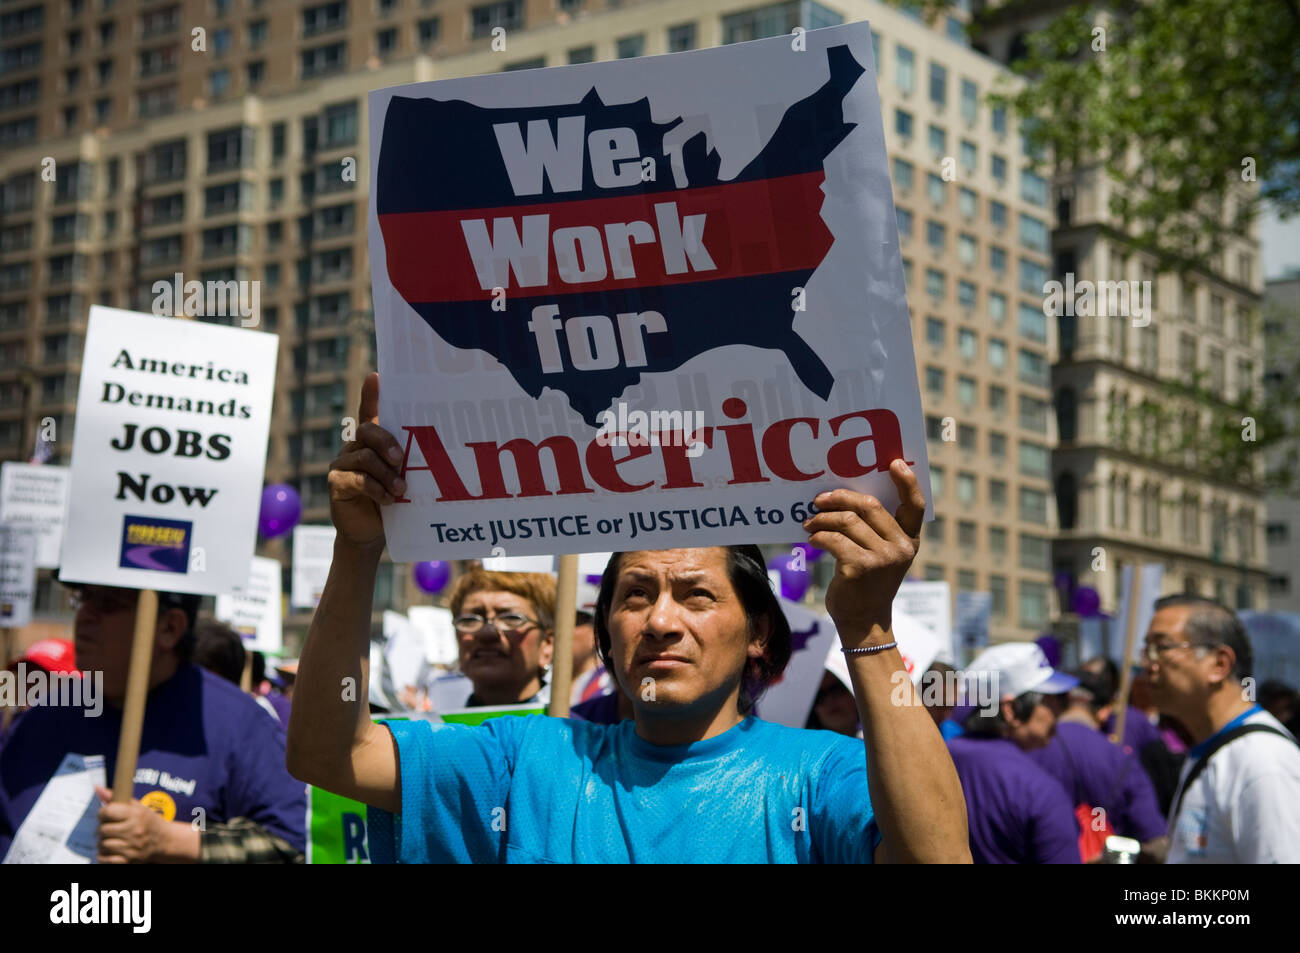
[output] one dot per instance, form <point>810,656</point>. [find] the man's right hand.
<point>365,475</point>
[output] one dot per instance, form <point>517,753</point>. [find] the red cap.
<point>53,655</point>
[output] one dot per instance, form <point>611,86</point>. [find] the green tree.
<point>1182,102</point>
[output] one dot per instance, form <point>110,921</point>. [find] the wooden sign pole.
<point>1126,666</point>
<point>566,608</point>
<point>137,687</point>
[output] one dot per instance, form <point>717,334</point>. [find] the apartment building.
<point>1143,401</point>
<point>214,139</point>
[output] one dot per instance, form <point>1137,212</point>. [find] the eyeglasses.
<point>472,622</point>
<point>1153,651</point>
<point>106,601</point>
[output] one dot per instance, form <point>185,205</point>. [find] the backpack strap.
<point>1225,739</point>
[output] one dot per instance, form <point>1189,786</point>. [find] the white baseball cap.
<point>1019,667</point>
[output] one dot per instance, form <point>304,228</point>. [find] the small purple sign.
<point>156,544</point>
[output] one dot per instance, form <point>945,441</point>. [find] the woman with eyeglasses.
<point>505,628</point>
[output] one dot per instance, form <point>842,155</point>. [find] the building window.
<point>967,250</point>
<point>219,83</point>
<point>966,391</point>
<point>969,156</point>
<point>428,30</point>
<point>1034,460</point>
<point>681,38</point>
<point>969,101</point>
<point>1033,604</point>
<point>998,259</point>
<point>938,140</point>
<point>903,175</point>
<point>997,399</point>
<point>936,285</point>
<point>628,47</point>
<point>998,590</point>
<point>997,446</point>
<point>998,540</point>
<point>1033,506</point>
<point>967,344</point>
<point>1035,552</point>
<point>903,123</point>
<point>966,438</point>
<point>936,189</point>
<point>997,306</point>
<point>340,125</point>
<point>966,489</point>
<point>323,60</point>
<point>582,54</point>
<point>966,202</point>
<point>905,71</point>
<point>936,236</point>
<point>324,17</point>
<point>775,19</point>
<point>934,332</point>
<point>255,73</point>
<point>256,34</point>
<point>935,379</point>
<point>938,85</point>
<point>1033,188</point>
<point>221,41</point>
<point>998,167</point>
<point>1033,323</point>
<point>936,482</point>
<point>904,223</point>
<point>997,354</point>
<point>386,41</point>
<point>998,494</point>
<point>966,295</point>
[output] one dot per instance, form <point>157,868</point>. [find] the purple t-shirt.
<point>1095,772</point>
<point>1138,730</point>
<point>205,744</point>
<point>1017,813</point>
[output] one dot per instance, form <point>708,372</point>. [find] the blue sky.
<point>1279,244</point>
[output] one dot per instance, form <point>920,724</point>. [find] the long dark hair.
<point>747,571</point>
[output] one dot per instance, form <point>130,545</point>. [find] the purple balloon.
<point>1086,602</point>
<point>794,582</point>
<point>810,552</point>
<point>280,512</point>
<point>1051,648</point>
<point>432,576</point>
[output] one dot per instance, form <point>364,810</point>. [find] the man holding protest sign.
<point>693,639</point>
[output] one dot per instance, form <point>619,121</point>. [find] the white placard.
<point>589,564</point>
<point>929,603</point>
<point>812,636</point>
<point>434,624</point>
<point>639,304</point>
<point>36,494</point>
<point>254,610</point>
<point>974,614</point>
<point>313,551</point>
<point>18,544</point>
<point>1153,577</point>
<point>168,453</point>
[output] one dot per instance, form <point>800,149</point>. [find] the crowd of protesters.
<point>662,758</point>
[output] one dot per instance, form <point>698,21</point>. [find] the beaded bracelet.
<point>870,649</point>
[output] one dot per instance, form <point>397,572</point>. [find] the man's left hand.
<point>872,548</point>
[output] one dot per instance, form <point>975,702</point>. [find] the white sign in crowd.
<point>168,453</point>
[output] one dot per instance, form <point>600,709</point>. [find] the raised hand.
<point>873,551</point>
<point>365,475</point>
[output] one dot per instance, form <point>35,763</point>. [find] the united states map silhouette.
<point>440,163</point>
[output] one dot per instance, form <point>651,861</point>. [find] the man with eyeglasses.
<point>693,636</point>
<point>1238,800</point>
<point>210,784</point>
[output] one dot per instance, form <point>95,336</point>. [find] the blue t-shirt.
<point>1096,772</point>
<point>205,744</point>
<point>1017,812</point>
<point>556,790</point>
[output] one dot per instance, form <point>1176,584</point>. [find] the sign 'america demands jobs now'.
<point>639,304</point>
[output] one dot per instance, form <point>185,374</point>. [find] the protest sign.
<point>929,603</point>
<point>254,610</point>
<point>336,826</point>
<point>974,612</point>
<point>589,564</point>
<point>1137,617</point>
<point>788,701</point>
<point>313,551</point>
<point>18,544</point>
<point>36,495</point>
<point>441,646</point>
<point>168,453</point>
<point>639,304</point>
